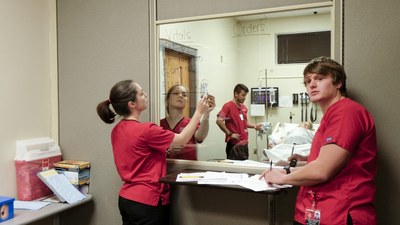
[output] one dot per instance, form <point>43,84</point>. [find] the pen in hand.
<point>293,162</point>
<point>262,176</point>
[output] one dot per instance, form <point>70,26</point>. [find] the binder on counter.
<point>60,186</point>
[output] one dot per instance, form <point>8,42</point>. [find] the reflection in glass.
<point>225,51</point>
<point>177,119</point>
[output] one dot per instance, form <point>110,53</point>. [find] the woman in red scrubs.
<point>140,153</point>
<point>176,100</point>
<point>337,184</point>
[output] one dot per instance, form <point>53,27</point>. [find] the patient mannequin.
<point>301,135</point>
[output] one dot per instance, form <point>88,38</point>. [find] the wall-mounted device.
<point>304,100</point>
<point>258,95</point>
<point>269,96</point>
<point>258,99</point>
<point>295,99</point>
<point>273,96</point>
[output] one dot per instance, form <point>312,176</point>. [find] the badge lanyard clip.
<point>313,196</point>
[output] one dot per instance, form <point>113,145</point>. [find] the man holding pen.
<point>337,183</point>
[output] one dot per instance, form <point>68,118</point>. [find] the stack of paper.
<point>222,178</point>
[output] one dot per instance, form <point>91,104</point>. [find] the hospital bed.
<point>286,137</point>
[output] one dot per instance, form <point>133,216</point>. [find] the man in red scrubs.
<point>337,184</point>
<point>232,120</point>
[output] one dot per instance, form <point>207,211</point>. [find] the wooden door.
<point>177,67</point>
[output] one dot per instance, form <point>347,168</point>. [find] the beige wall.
<point>28,73</point>
<point>100,42</point>
<point>371,59</point>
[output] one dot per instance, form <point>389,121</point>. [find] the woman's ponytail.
<point>105,112</point>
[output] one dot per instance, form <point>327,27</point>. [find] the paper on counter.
<point>223,178</point>
<point>246,162</point>
<point>211,177</point>
<point>30,205</point>
<point>188,177</point>
<point>254,183</point>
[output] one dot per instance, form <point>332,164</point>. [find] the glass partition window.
<point>213,55</point>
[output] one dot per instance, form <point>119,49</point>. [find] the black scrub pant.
<point>135,213</point>
<point>236,152</point>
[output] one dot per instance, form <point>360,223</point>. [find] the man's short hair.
<point>240,87</point>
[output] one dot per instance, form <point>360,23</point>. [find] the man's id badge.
<point>312,216</point>
<point>241,116</point>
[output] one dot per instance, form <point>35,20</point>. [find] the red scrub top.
<point>188,151</point>
<point>351,191</point>
<point>235,120</point>
<point>140,157</point>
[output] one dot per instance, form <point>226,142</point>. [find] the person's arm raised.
<point>183,137</point>
<point>202,132</point>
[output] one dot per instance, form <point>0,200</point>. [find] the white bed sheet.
<point>283,151</point>
<point>285,136</point>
